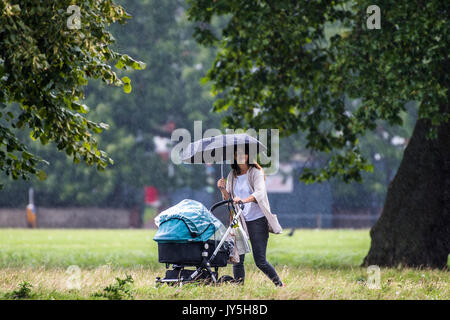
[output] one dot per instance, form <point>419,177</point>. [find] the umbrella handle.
<point>221,169</point>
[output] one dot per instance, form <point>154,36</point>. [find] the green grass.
<point>315,264</point>
<point>85,248</point>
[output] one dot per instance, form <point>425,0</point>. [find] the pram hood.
<point>189,220</point>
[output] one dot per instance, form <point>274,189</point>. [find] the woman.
<point>246,183</point>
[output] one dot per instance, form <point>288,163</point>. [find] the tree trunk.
<point>414,227</point>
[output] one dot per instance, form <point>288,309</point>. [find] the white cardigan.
<point>258,187</point>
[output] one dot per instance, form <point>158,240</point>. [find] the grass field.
<point>314,264</point>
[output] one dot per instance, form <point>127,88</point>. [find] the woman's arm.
<point>259,186</point>
<point>225,194</point>
<point>222,187</point>
<point>246,200</point>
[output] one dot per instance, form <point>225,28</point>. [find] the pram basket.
<point>190,254</point>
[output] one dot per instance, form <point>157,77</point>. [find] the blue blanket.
<point>187,221</point>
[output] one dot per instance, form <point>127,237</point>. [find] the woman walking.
<point>246,183</point>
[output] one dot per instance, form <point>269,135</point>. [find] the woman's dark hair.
<point>235,166</point>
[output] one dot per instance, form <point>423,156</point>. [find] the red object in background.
<point>151,195</point>
<point>164,156</point>
<point>169,126</point>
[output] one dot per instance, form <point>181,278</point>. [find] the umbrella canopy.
<point>219,149</point>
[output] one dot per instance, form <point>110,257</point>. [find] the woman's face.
<point>240,157</point>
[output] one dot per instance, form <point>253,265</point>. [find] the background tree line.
<point>169,91</point>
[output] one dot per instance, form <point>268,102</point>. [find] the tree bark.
<point>414,227</point>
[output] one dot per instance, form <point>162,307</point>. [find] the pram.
<point>191,236</point>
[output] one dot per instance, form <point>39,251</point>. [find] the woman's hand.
<point>246,200</point>
<point>222,187</point>
<point>237,199</point>
<point>221,184</point>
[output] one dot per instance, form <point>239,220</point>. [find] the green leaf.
<point>204,80</point>
<point>120,64</point>
<point>104,125</point>
<point>32,135</point>
<point>12,156</point>
<point>26,155</point>
<point>42,175</point>
<point>138,65</point>
<point>127,88</point>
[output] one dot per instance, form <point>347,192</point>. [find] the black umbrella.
<point>219,149</point>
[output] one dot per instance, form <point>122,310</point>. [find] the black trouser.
<point>258,231</point>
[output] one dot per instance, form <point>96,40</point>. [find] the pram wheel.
<point>178,274</point>
<point>225,279</point>
<point>158,282</point>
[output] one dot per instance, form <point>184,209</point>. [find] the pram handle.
<point>220,203</point>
